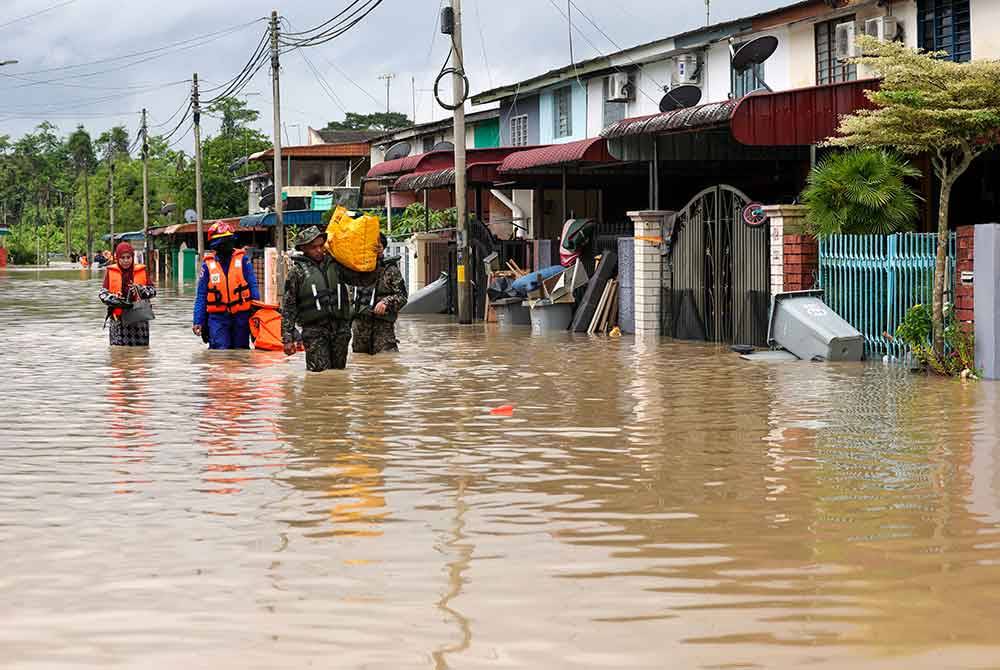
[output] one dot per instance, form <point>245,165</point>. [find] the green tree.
<point>114,143</point>
<point>862,191</point>
<point>929,105</point>
<point>376,121</point>
<point>235,115</point>
<point>81,151</point>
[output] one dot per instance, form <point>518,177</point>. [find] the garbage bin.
<point>804,325</point>
<point>511,312</point>
<point>547,317</point>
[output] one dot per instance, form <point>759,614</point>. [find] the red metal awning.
<point>477,173</point>
<point>439,160</point>
<point>801,116</point>
<point>798,117</point>
<point>593,150</point>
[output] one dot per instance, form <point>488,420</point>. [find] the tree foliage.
<point>376,121</point>
<point>862,191</point>
<point>929,105</point>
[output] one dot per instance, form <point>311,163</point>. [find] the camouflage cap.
<point>308,235</point>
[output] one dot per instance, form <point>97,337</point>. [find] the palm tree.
<point>861,191</point>
<point>81,150</point>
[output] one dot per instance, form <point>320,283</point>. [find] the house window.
<point>613,111</point>
<point>519,131</point>
<point>428,144</point>
<point>562,106</point>
<point>944,25</point>
<point>830,70</point>
<point>748,81</point>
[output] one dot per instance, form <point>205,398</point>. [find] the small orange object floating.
<point>506,410</point>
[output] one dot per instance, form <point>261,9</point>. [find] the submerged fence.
<point>873,280</point>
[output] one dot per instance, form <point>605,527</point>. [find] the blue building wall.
<point>578,115</point>
<point>527,105</point>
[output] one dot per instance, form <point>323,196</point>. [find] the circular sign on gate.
<point>753,215</point>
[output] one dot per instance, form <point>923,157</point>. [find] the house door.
<point>716,276</point>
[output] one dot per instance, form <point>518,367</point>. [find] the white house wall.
<point>985,34</point>
<point>650,80</point>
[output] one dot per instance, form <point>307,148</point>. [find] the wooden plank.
<point>605,271</point>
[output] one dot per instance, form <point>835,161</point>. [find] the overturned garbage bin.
<point>806,326</point>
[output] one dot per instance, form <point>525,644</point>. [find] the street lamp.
<point>8,62</point>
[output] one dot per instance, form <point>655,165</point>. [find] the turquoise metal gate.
<point>873,280</point>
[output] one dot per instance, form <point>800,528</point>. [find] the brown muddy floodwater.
<point>648,505</point>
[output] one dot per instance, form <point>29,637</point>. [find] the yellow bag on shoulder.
<point>353,242</point>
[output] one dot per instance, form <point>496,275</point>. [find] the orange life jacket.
<point>139,278</point>
<point>227,292</point>
<point>265,327</point>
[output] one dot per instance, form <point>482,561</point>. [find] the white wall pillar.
<point>417,278</point>
<point>783,220</point>
<point>649,245</point>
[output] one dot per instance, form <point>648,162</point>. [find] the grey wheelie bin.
<point>806,326</point>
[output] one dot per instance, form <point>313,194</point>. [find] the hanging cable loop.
<point>447,72</point>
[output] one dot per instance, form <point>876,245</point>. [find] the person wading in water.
<point>376,308</point>
<point>316,299</point>
<point>226,288</point>
<point>126,283</point>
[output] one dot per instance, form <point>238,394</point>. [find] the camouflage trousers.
<point>373,336</point>
<point>326,345</point>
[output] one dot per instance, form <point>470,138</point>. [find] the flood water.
<point>648,505</point>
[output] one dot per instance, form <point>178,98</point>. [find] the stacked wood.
<point>606,315</point>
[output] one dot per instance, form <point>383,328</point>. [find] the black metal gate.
<point>716,277</point>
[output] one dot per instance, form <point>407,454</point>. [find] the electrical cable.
<point>356,16</point>
<point>323,84</point>
<point>31,16</point>
<point>482,42</point>
<point>446,71</point>
<point>613,43</point>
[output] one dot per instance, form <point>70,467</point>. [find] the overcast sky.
<point>505,40</point>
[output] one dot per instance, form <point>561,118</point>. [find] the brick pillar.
<point>794,253</point>
<point>965,294</point>
<point>651,234</point>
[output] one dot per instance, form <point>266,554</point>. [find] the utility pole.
<point>145,188</point>
<point>111,195</point>
<point>198,204</point>
<point>90,230</point>
<point>279,206</point>
<point>388,82</point>
<point>461,201</point>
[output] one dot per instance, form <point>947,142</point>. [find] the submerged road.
<point>648,505</point>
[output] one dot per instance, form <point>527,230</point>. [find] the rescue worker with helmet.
<point>376,308</point>
<point>226,288</point>
<point>317,299</point>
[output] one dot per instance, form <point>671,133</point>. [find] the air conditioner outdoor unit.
<point>846,40</point>
<point>619,87</point>
<point>882,28</point>
<point>687,70</point>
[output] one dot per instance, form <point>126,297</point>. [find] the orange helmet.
<point>219,230</point>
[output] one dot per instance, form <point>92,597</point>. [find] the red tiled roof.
<point>593,150</point>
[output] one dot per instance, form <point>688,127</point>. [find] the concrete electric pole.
<point>388,83</point>
<point>279,206</point>
<point>147,245</point>
<point>465,307</point>
<point>198,204</point>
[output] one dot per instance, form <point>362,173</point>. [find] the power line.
<point>613,43</point>
<point>31,16</point>
<point>324,84</point>
<point>482,42</point>
<point>326,34</point>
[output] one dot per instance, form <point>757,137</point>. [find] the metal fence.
<point>873,280</point>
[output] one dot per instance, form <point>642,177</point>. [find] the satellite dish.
<point>754,52</point>
<point>398,150</point>
<point>680,97</point>
<point>237,164</point>
<point>190,216</point>
<point>443,146</point>
<point>168,208</point>
<point>752,55</point>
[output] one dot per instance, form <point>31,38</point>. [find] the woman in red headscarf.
<point>124,284</point>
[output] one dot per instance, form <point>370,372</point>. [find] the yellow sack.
<point>353,242</point>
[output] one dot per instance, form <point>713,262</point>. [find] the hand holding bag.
<point>141,310</point>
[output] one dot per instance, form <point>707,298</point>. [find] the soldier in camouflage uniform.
<point>317,299</point>
<point>376,308</point>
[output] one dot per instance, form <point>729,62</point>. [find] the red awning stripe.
<point>477,173</point>
<point>714,114</point>
<point>593,150</point>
